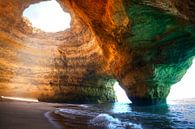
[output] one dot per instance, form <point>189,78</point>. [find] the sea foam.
<point>109,122</point>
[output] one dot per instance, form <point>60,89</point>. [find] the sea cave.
<point>82,51</point>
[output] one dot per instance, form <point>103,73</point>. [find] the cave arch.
<point>184,89</point>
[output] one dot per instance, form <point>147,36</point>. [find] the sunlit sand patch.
<point>20,99</point>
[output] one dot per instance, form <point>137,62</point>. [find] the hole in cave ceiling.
<point>47,16</point>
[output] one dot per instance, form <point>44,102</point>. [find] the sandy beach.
<point>25,115</point>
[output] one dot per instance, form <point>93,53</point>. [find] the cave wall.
<point>147,45</point>
<point>163,45</point>
<point>50,66</point>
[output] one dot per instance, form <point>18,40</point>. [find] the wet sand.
<point>26,115</point>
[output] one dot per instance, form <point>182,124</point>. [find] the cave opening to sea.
<point>47,16</point>
<point>185,88</point>
<point>121,95</point>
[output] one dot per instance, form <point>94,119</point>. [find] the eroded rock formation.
<point>147,45</point>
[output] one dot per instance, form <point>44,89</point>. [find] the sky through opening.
<point>48,16</point>
<point>186,87</point>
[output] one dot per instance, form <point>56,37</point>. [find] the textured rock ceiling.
<point>147,45</point>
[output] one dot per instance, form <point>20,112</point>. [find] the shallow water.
<point>178,114</point>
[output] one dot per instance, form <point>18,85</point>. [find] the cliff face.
<point>147,45</point>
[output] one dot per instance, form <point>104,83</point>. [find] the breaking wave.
<point>109,122</point>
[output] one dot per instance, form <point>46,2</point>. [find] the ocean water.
<point>178,114</point>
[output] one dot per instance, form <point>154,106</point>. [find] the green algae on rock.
<point>165,44</point>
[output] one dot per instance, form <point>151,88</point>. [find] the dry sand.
<point>25,115</point>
